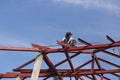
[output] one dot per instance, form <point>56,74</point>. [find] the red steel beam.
<point>58,70</point>
<point>66,46</point>
<point>96,72</point>
<point>99,66</point>
<point>61,62</point>
<point>42,47</point>
<point>63,44</point>
<point>98,46</point>
<point>87,76</point>
<point>65,73</point>
<point>81,78</point>
<point>84,42</point>
<point>103,77</point>
<point>19,49</point>
<point>93,61</point>
<point>94,77</point>
<point>92,66</point>
<point>112,54</point>
<point>9,75</point>
<point>98,63</point>
<point>51,65</point>
<point>25,64</point>
<point>69,61</point>
<point>110,39</point>
<point>117,75</point>
<point>83,64</point>
<point>88,44</point>
<point>115,65</point>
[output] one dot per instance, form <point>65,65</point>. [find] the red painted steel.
<point>75,71</point>
<point>64,73</point>
<point>50,50</point>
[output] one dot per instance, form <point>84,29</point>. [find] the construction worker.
<point>68,39</point>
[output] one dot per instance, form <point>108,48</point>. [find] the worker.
<point>68,39</point>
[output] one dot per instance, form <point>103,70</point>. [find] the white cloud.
<point>101,4</point>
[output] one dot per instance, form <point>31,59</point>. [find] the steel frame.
<point>77,72</point>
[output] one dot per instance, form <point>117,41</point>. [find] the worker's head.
<point>68,34</point>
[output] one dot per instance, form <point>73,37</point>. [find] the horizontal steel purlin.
<point>51,50</point>
<point>65,73</point>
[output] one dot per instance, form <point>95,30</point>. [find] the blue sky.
<point>23,22</point>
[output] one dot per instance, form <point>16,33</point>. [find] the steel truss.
<point>78,73</point>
